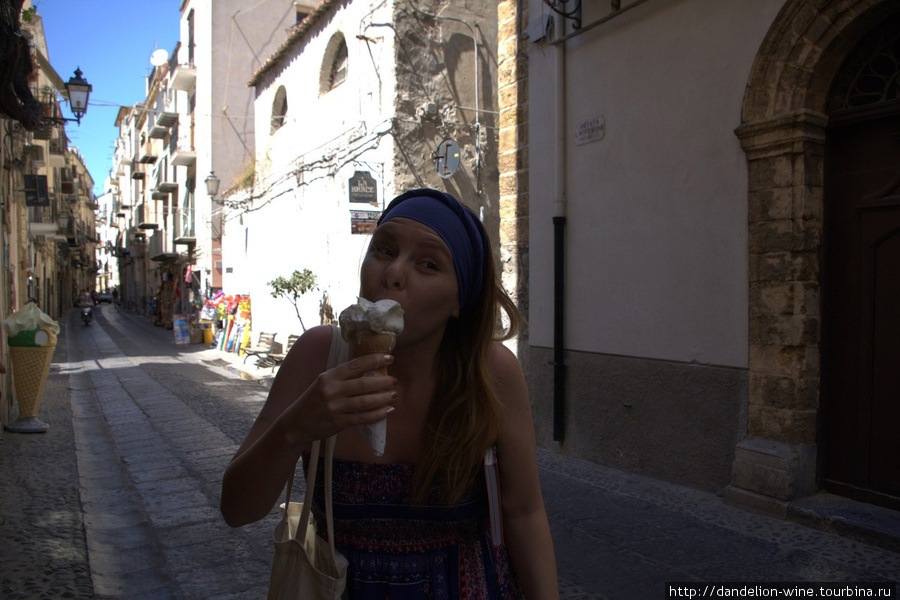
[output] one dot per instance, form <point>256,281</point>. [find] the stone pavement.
<point>119,499</point>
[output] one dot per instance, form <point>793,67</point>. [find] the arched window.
<point>334,68</point>
<point>279,109</point>
<point>870,74</point>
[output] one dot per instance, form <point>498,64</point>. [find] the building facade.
<point>196,121</point>
<point>360,102</point>
<point>710,262</point>
<point>48,229</point>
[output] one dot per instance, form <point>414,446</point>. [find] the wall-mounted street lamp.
<point>212,185</point>
<point>79,90</point>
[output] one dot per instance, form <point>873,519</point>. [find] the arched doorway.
<point>786,126</point>
<point>860,393</point>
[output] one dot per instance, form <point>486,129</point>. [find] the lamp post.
<point>212,185</point>
<point>78,90</point>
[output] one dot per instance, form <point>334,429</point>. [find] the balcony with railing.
<point>183,76</point>
<point>164,182</point>
<point>47,98</point>
<point>162,122</point>
<point>182,73</point>
<point>83,189</point>
<point>145,217</point>
<point>42,219</point>
<point>181,143</point>
<point>57,155</point>
<point>67,183</point>
<point>184,226</point>
<point>137,170</point>
<point>148,152</point>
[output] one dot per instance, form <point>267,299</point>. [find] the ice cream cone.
<point>30,367</point>
<point>374,343</point>
<point>372,328</point>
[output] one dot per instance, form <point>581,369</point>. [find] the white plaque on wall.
<point>590,130</point>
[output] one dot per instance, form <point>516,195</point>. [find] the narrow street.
<point>154,433</point>
<point>120,498</point>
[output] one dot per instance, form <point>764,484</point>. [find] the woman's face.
<point>410,263</point>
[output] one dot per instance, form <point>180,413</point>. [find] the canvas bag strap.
<point>310,484</point>
<point>338,353</point>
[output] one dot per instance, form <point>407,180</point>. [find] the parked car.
<point>104,297</point>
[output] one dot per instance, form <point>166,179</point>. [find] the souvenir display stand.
<point>225,321</point>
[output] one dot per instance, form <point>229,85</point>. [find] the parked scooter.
<point>87,314</point>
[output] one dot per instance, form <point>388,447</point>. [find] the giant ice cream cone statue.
<point>32,340</point>
<point>372,328</point>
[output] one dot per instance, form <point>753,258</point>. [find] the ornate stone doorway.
<point>860,392</point>
<point>784,130</point>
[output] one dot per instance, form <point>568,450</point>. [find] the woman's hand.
<point>347,395</point>
<point>304,404</point>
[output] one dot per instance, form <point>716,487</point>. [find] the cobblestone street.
<point>120,498</point>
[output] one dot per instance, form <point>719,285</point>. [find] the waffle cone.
<point>374,343</point>
<point>30,367</point>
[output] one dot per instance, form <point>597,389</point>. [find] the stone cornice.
<point>781,132</point>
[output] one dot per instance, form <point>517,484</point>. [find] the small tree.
<point>299,283</point>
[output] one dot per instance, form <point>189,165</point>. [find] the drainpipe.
<point>559,240</point>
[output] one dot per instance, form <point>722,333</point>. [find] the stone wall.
<point>777,458</point>
<point>512,85</point>
<point>445,91</point>
<point>783,134</point>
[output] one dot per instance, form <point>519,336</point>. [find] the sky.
<point>111,41</point>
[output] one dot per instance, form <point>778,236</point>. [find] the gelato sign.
<point>363,189</point>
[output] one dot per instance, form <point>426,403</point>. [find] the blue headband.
<point>457,226</point>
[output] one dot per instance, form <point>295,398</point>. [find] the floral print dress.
<point>401,552</point>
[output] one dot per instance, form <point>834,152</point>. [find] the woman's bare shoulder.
<point>315,338</point>
<point>308,356</point>
<point>507,372</point>
<point>502,360</point>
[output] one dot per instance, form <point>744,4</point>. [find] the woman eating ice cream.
<point>413,522</point>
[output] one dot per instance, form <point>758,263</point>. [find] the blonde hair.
<point>465,414</point>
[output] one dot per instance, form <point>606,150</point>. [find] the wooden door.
<point>860,391</point>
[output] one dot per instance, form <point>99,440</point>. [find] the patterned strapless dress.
<point>401,552</point>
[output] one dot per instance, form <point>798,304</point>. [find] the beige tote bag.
<point>306,566</point>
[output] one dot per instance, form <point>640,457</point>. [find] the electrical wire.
<point>558,6</point>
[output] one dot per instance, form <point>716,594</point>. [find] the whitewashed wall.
<point>302,217</point>
<point>231,39</point>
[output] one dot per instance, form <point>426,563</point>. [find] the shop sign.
<point>363,221</point>
<point>363,189</point>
